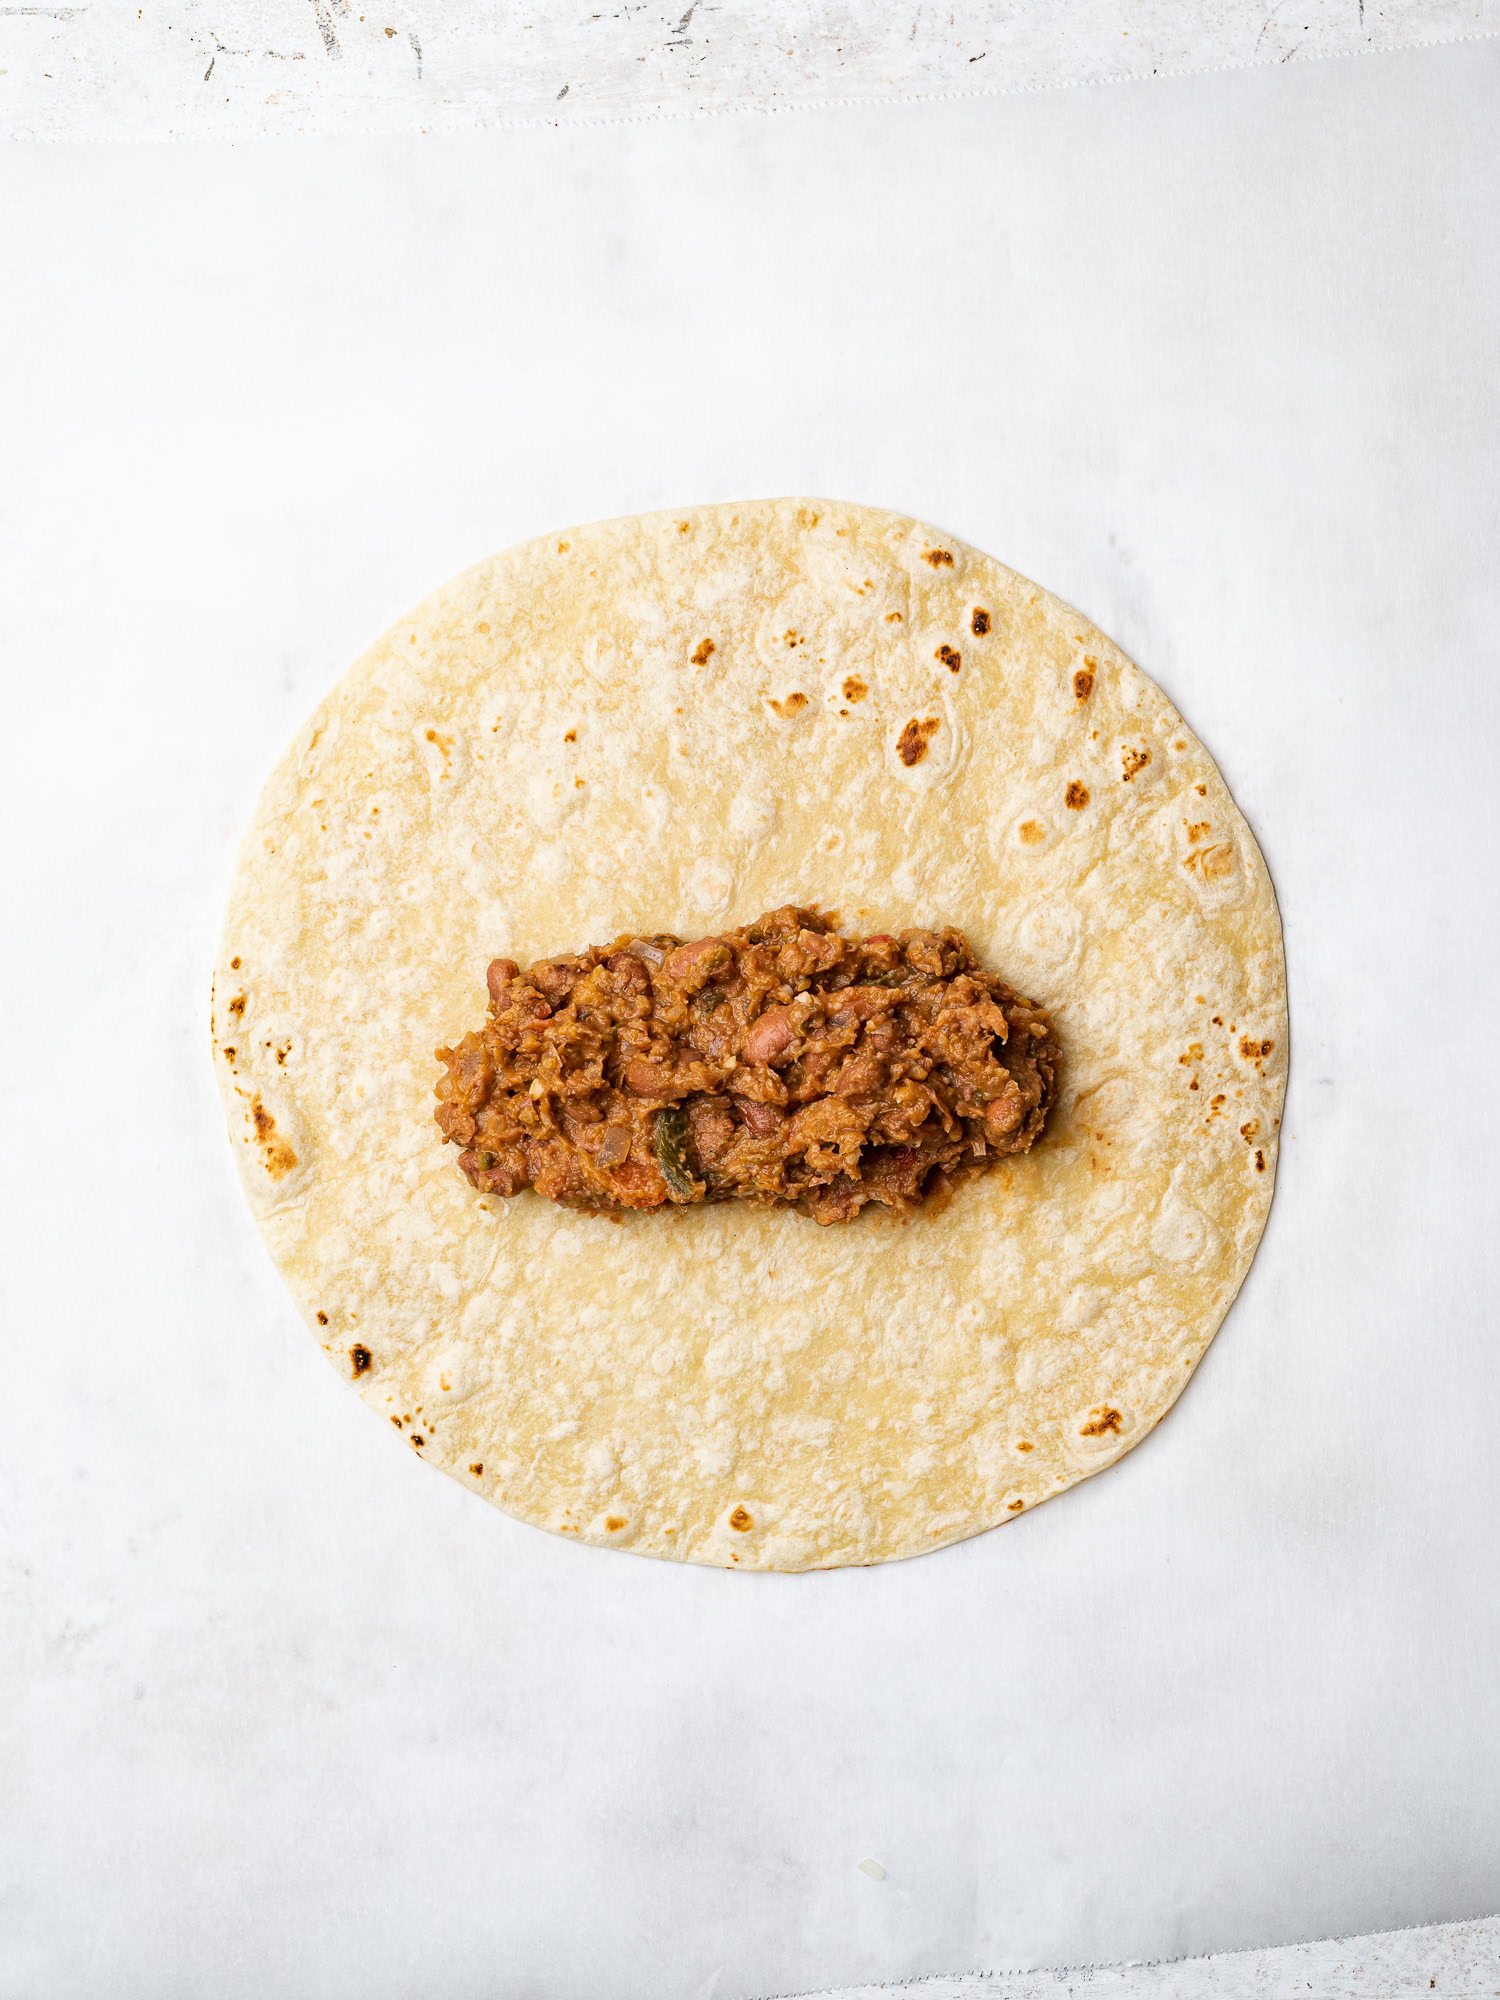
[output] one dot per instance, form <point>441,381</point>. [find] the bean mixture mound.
<point>779,1064</point>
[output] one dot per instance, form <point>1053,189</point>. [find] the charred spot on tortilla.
<point>704,653</point>
<point>360,1358</point>
<point>1100,1423</point>
<point>911,744</point>
<point>781,1064</point>
<point>979,624</point>
<point>855,689</point>
<point>1076,796</point>
<point>1083,682</point>
<point>939,558</point>
<point>951,660</point>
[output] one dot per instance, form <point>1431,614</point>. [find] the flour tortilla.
<point>673,723</point>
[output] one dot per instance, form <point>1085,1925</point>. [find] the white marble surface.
<point>281,1710</point>
<point>238,68</point>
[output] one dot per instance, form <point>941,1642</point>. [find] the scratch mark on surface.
<point>210,70</point>
<point>325,29</point>
<point>416,46</point>
<point>44,13</point>
<point>562,93</point>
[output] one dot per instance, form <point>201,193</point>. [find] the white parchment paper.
<point>281,1711</point>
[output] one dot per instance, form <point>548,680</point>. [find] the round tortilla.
<point>674,723</point>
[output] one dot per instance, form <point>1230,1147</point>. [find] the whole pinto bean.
<point>771,1036</point>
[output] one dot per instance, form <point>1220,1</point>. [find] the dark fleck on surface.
<point>951,660</point>
<point>322,1319</point>
<point>704,653</point>
<point>477,1467</point>
<point>359,1360</point>
<point>1083,683</point>
<point>1107,1420</point>
<point>1076,796</point>
<point>979,624</point>
<point>741,1521</point>
<point>613,1523</point>
<point>938,558</point>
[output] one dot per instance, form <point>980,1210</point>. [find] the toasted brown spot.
<point>1076,796</point>
<point>1260,1162</point>
<point>1180,744</point>
<point>359,1360</point>
<point>855,689</point>
<point>911,745</point>
<point>1252,1050</point>
<point>1107,1420</point>
<point>279,1157</point>
<point>938,558</point>
<point>237,1005</point>
<point>979,624</point>
<point>739,1520</point>
<point>1016,1506</point>
<point>477,1467</point>
<point>613,1523</point>
<point>1083,682</point>
<point>704,653</point>
<point>1196,828</point>
<point>417,1440</point>
<point>1215,862</point>
<point>1249,1130</point>
<point>570,736</point>
<point>1201,790</point>
<point>234,965</point>
<point>792,705</point>
<point>398,1421</point>
<point>1194,1084</point>
<point>1133,761</point>
<point>229,1055</point>
<point>951,660</point>
<point>1032,833</point>
<point>322,1319</point>
<point>1024,1444</point>
<point>483,625</point>
<point>563,547</point>
<point>893,618</point>
<point>1194,1053</point>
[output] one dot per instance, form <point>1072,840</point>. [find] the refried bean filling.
<point>779,1064</point>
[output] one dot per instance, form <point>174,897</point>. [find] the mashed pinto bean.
<point>780,1064</point>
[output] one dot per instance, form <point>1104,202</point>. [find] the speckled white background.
<point>283,1712</point>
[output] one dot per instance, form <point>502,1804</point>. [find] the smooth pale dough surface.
<point>549,752</point>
